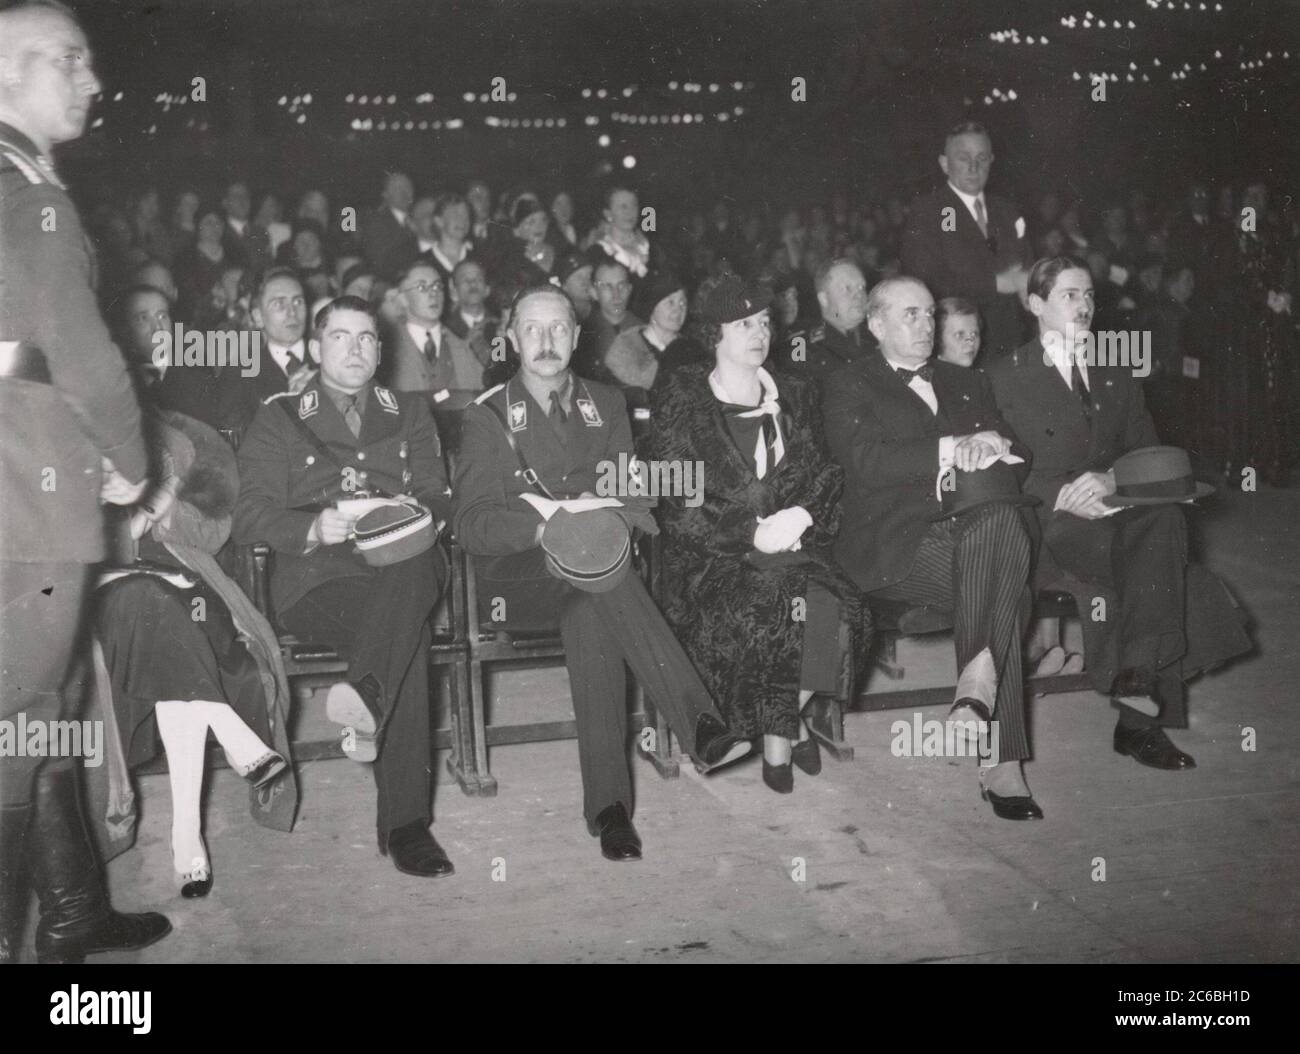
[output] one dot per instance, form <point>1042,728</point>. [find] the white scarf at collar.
<point>769,405</point>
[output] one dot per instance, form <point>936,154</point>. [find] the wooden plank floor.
<point>901,861</point>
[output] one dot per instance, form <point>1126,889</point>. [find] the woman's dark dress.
<point>743,626</point>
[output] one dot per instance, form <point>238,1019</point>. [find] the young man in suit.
<point>387,238</point>
<point>278,310</point>
<point>427,355</point>
<point>963,242</point>
<point>895,421</point>
<point>1078,415</point>
<point>571,431</point>
<point>303,455</point>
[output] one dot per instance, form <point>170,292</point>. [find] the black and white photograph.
<point>652,482</point>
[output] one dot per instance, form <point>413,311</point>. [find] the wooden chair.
<point>490,645</point>
<point>895,620</point>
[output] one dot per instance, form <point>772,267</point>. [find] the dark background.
<point>884,78</point>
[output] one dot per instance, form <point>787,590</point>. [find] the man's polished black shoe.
<point>716,745</point>
<point>114,932</point>
<point>618,838</point>
<point>1151,747</point>
<point>415,851</point>
<point>1012,808</point>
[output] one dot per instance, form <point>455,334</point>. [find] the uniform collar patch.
<point>308,404</point>
<point>518,416</point>
<point>590,415</point>
<point>387,399</point>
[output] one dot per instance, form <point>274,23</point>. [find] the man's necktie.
<point>557,408</point>
<point>352,416</point>
<point>925,372</point>
<point>292,365</point>
<point>430,348</point>
<point>981,217</point>
<point>1080,388</point>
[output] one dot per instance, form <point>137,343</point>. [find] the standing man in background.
<point>72,439</point>
<point>962,242</point>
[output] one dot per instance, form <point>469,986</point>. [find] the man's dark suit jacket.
<point>961,262</point>
<point>887,439</point>
<point>1047,417</point>
<point>387,244</point>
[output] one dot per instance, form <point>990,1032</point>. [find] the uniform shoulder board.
<point>488,394</point>
<point>817,333</point>
<point>279,395</point>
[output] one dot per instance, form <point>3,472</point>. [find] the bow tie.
<point>926,373</point>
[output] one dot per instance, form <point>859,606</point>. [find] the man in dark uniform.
<point>569,431</point>
<point>841,339</point>
<point>962,242</point>
<point>72,438</point>
<point>302,463</point>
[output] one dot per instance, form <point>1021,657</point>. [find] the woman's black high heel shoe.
<point>808,756</point>
<point>198,882</point>
<point>779,777</point>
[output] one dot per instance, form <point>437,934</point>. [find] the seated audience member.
<point>159,275</point>
<point>574,270</point>
<point>841,339</point>
<point>199,265</point>
<point>145,334</point>
<point>450,227</point>
<point>269,217</point>
<point>305,253</point>
<point>533,258</point>
<point>957,331</point>
<point>469,318</point>
<point>634,357</point>
<point>359,281</point>
<point>303,458</point>
<point>561,232</point>
<point>426,355</point>
<point>278,311</point>
<point>569,431</point>
<point>613,291</point>
<point>900,425</point>
<point>243,239</point>
<point>757,537</point>
<point>1078,418</point>
<point>173,676</point>
<point>491,239</point>
<point>387,238</point>
<point>620,234</point>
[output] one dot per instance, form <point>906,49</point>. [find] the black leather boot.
<point>14,890</point>
<point>76,918</point>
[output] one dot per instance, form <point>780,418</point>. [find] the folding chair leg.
<point>663,755</point>
<point>826,723</point>
<point>468,761</point>
<point>886,659</point>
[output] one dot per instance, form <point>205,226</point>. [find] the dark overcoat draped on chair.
<point>741,625</point>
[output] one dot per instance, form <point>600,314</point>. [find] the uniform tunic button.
<point>311,460</point>
<point>361,455</point>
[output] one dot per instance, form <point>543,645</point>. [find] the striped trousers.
<point>977,566</point>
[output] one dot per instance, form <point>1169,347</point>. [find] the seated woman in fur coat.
<point>757,600</point>
<point>175,634</point>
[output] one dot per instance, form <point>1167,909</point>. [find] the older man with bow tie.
<point>895,421</point>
